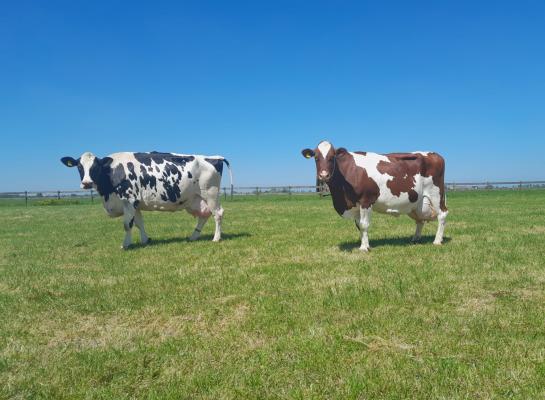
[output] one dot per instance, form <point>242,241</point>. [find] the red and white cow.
<point>396,183</point>
<point>133,182</point>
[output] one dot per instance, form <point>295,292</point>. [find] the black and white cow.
<point>133,182</point>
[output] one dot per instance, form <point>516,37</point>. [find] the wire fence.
<point>59,196</point>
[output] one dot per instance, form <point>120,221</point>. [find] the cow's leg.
<point>218,216</point>
<point>418,232</point>
<point>365,221</point>
<point>214,205</point>
<point>197,232</point>
<point>139,222</point>
<point>441,219</point>
<point>128,221</point>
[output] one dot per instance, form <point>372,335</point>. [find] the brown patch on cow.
<point>350,184</point>
<point>402,168</point>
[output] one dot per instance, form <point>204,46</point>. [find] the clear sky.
<point>258,81</point>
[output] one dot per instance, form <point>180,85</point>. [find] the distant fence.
<point>231,192</point>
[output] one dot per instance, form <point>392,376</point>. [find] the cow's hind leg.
<point>365,221</point>
<point>198,229</point>
<point>139,222</point>
<point>441,219</point>
<point>218,217</point>
<point>128,221</point>
<point>214,205</point>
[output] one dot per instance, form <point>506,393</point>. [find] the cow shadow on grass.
<point>203,238</point>
<point>391,241</point>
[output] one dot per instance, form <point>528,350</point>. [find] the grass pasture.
<point>285,307</point>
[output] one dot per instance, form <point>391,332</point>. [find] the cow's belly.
<point>151,200</point>
<point>394,205</point>
<point>388,203</point>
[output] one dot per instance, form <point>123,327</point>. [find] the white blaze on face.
<point>86,160</point>
<point>324,148</point>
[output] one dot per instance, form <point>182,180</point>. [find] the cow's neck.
<point>104,186</point>
<point>340,192</point>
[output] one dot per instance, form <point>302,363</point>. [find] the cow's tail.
<point>230,172</point>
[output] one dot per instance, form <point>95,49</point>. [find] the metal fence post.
<point>225,193</point>
<point>257,191</point>
<point>232,190</point>
<point>91,195</point>
<point>26,198</point>
<point>289,191</point>
<point>58,194</point>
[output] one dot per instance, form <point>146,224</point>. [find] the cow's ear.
<point>307,153</point>
<point>341,151</point>
<point>69,161</point>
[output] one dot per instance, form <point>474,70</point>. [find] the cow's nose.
<point>86,185</point>
<point>324,176</point>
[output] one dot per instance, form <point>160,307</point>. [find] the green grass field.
<point>285,307</point>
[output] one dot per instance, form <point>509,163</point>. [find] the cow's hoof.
<point>123,247</point>
<point>193,238</point>
<point>146,242</point>
<point>216,239</point>
<point>437,243</point>
<point>415,240</point>
<point>365,249</point>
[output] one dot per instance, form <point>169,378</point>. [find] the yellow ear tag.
<point>307,155</point>
<point>69,163</point>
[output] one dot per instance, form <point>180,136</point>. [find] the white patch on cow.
<point>423,153</point>
<point>324,148</point>
<point>86,160</point>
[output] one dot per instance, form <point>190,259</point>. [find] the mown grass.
<point>285,307</point>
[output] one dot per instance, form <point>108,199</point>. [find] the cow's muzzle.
<point>86,185</point>
<point>324,176</point>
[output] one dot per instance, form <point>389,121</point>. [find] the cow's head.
<point>324,155</point>
<point>90,168</point>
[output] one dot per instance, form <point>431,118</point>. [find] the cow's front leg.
<point>418,233</point>
<point>365,221</point>
<point>139,222</point>
<point>198,229</point>
<point>128,221</point>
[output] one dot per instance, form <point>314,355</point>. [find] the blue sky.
<point>259,81</point>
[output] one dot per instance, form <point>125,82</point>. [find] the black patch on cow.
<point>132,174</point>
<point>189,175</point>
<point>131,222</point>
<point>100,173</point>
<point>81,171</point>
<point>136,204</point>
<point>171,183</point>
<point>147,180</point>
<point>159,158</point>
<point>217,163</point>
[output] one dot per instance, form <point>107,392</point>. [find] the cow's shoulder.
<point>359,186</point>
